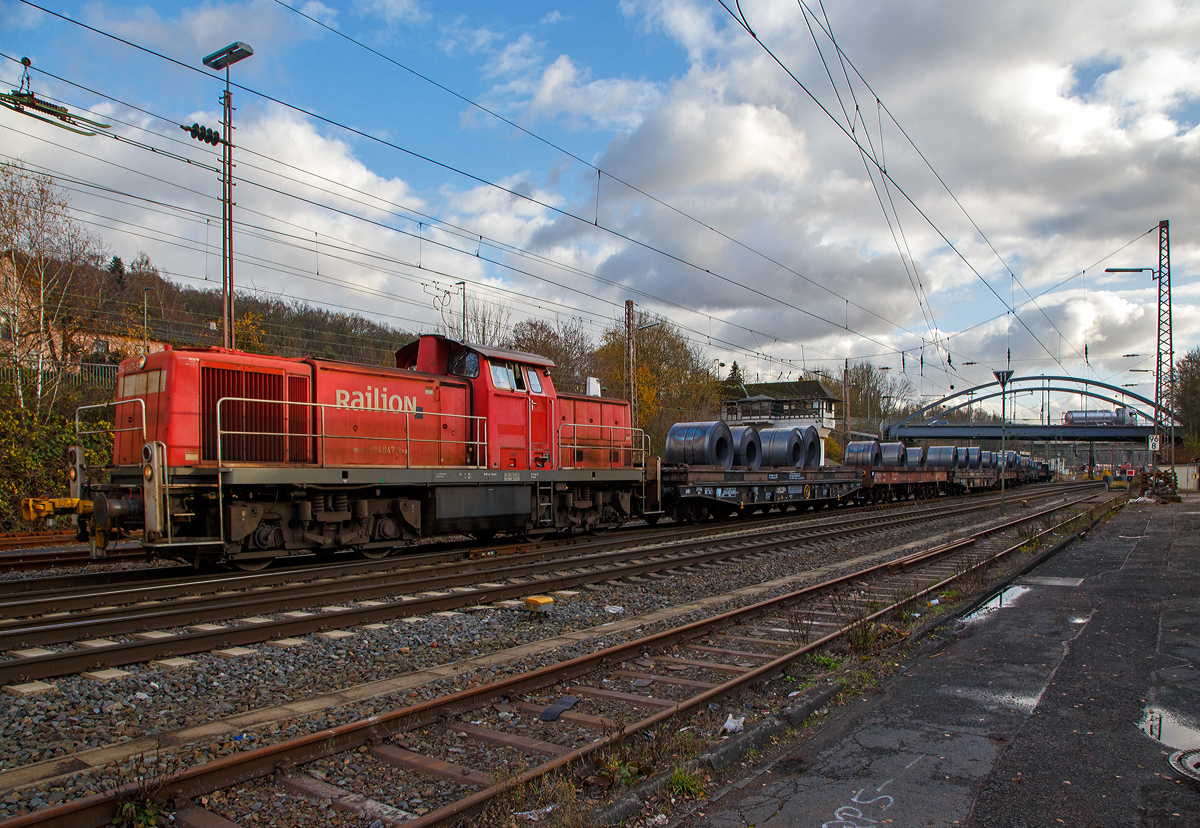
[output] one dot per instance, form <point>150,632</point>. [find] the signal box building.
<point>797,403</point>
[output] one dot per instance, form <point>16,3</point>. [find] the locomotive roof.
<point>489,352</point>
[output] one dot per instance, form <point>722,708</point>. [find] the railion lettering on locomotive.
<point>375,399</point>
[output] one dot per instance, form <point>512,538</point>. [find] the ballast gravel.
<point>82,713</point>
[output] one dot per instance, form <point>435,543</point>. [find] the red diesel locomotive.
<point>224,456</point>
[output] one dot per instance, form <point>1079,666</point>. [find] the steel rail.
<point>57,598</point>
<point>99,809</point>
<point>131,652</point>
<point>26,540</point>
<point>288,569</point>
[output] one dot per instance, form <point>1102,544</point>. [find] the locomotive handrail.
<point>480,444</point>
<point>612,446</point>
<point>114,429</point>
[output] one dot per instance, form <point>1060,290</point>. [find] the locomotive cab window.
<point>508,377</point>
<point>535,382</point>
<point>500,377</point>
<point>465,364</point>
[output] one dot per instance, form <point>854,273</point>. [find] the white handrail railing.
<point>480,443</point>
<point>114,429</point>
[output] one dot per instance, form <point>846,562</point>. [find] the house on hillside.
<point>791,404</point>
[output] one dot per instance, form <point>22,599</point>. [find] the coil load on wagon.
<point>747,447</point>
<point>812,447</point>
<point>863,454</point>
<point>700,444</point>
<point>893,456</point>
<point>782,447</point>
<point>941,457</point>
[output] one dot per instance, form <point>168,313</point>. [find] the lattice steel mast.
<point>1164,390</point>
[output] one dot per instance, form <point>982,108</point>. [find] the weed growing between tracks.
<point>137,786</point>
<point>565,799</point>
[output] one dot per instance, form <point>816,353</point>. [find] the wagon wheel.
<point>378,553</point>
<point>252,564</point>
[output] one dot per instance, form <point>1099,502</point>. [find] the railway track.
<point>288,569</point>
<point>177,618</point>
<point>291,570</point>
<point>26,540</point>
<point>31,560</point>
<point>574,718</point>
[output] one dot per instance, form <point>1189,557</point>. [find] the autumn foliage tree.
<point>675,382</point>
<point>1187,400</point>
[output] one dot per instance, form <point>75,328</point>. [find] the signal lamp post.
<point>218,60</point>
<point>1003,377</point>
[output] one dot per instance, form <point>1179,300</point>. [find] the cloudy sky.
<point>906,181</point>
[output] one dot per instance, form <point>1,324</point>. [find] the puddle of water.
<point>1003,599</point>
<point>1169,728</point>
<point>995,699</point>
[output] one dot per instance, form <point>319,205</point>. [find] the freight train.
<point>225,457</point>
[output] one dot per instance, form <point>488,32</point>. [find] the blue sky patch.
<point>1089,72</point>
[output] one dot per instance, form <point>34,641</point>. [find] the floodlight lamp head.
<point>228,56</point>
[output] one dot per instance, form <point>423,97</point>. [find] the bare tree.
<point>43,246</point>
<point>486,323</point>
<point>565,342</point>
<point>874,393</point>
<point>675,382</point>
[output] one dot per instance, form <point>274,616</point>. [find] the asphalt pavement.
<point>1057,703</point>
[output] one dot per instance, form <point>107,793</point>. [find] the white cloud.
<point>392,11</point>
<point>608,103</point>
<point>199,30</point>
<point>1056,179</point>
<point>1065,129</point>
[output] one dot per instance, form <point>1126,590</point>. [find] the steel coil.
<point>864,453</point>
<point>941,457</point>
<point>894,455</point>
<point>812,447</point>
<point>782,447</point>
<point>747,448</point>
<point>974,458</point>
<point>700,444</point>
<point>916,457</point>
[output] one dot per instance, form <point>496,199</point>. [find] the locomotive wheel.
<point>252,564</point>
<point>651,520</point>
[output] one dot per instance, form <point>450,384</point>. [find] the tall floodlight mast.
<point>218,60</point>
